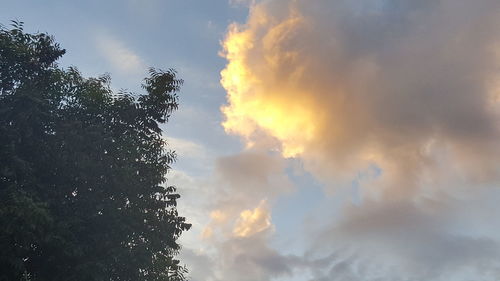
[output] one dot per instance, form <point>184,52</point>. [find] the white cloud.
<point>186,148</point>
<point>120,56</point>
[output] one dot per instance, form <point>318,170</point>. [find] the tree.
<point>83,192</point>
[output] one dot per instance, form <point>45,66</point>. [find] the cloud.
<point>402,241</point>
<point>345,85</point>
<point>254,172</point>
<point>247,254</point>
<point>245,184</point>
<point>200,265</point>
<point>232,220</point>
<point>251,259</point>
<point>400,97</point>
<point>253,221</point>
<point>187,149</point>
<point>118,54</point>
<point>243,254</point>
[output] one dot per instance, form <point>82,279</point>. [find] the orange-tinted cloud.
<point>346,86</point>
<point>253,221</point>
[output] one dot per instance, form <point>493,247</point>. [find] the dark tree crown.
<point>83,192</point>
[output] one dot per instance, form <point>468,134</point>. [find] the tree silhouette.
<point>83,192</point>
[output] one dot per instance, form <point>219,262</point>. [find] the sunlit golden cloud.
<point>344,99</point>
<point>394,101</point>
<point>253,221</point>
<point>286,115</point>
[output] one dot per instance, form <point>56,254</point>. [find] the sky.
<point>317,140</point>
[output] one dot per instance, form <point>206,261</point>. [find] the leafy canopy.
<point>83,171</point>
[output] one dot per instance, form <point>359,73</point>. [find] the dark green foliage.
<point>82,171</point>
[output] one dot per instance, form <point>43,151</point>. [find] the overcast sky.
<point>343,140</point>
